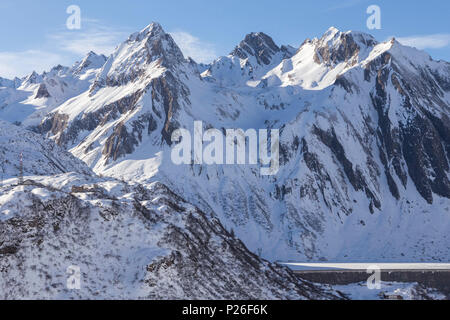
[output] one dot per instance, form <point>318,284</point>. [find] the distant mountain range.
<point>364,164</point>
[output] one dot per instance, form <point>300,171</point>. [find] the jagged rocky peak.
<point>335,46</point>
<point>58,69</point>
<point>42,92</point>
<point>256,55</point>
<point>260,46</point>
<point>159,43</point>
<point>92,56</point>
<point>131,59</point>
<point>153,30</point>
<point>335,37</point>
<point>33,78</point>
<point>91,61</point>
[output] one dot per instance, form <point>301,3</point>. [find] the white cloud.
<point>91,37</point>
<point>63,47</point>
<point>193,47</point>
<point>18,64</point>
<point>432,41</point>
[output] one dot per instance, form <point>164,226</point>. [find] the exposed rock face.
<point>120,143</point>
<point>67,133</point>
<point>355,178</point>
<point>258,45</point>
<point>249,61</point>
<point>33,78</point>
<point>149,244</point>
<point>42,92</point>
<point>150,48</point>
<point>337,47</point>
<point>421,139</point>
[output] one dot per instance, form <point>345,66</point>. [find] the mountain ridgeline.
<point>364,137</point>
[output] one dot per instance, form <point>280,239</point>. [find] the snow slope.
<point>27,101</point>
<point>39,156</point>
<point>128,241</point>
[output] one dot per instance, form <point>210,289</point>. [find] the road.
<point>365,266</point>
<point>430,275</point>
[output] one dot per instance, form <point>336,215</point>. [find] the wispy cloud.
<point>193,47</point>
<point>92,37</point>
<point>18,64</point>
<point>66,46</point>
<point>432,41</point>
<point>345,4</point>
<point>62,47</point>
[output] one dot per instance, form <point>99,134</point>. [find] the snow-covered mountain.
<point>129,242</point>
<point>37,155</point>
<point>249,61</point>
<point>6,83</point>
<point>27,101</point>
<point>363,129</point>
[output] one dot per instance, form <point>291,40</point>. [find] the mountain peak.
<point>156,43</point>
<point>131,59</point>
<point>153,30</point>
<point>336,46</point>
<point>33,78</point>
<point>334,35</point>
<point>93,56</point>
<point>331,33</point>
<point>332,29</point>
<point>90,61</point>
<point>259,45</point>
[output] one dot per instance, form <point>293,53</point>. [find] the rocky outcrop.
<point>336,47</point>
<point>416,142</point>
<point>42,92</point>
<point>260,46</point>
<point>354,176</point>
<point>172,251</point>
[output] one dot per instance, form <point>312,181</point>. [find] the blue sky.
<point>34,35</point>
